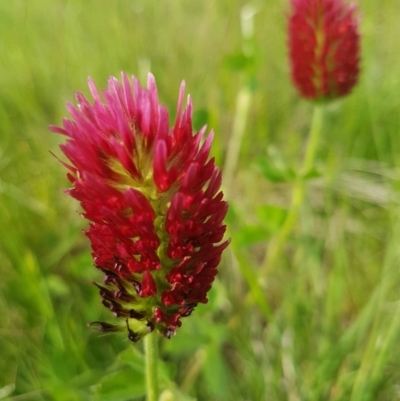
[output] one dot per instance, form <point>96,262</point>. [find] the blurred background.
<point>323,325</point>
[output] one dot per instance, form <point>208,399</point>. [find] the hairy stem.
<point>151,356</point>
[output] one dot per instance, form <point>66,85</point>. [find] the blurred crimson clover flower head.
<point>152,196</point>
<point>324,48</point>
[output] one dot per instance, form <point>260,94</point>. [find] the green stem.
<point>277,243</point>
<point>243,102</point>
<point>151,356</point>
<point>316,128</point>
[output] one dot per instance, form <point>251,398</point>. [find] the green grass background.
<point>323,325</point>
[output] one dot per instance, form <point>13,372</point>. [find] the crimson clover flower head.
<point>324,48</point>
<point>152,196</point>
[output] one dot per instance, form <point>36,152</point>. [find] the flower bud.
<point>324,48</point>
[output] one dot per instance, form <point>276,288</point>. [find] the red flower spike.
<point>152,196</point>
<point>324,48</point>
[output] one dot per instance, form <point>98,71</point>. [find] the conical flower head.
<point>324,48</point>
<point>152,196</point>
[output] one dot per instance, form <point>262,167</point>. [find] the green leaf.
<point>271,172</point>
<point>167,371</point>
<point>271,216</point>
<point>128,382</point>
<point>273,167</point>
<point>123,385</point>
<point>276,158</point>
<point>251,234</point>
<point>133,358</point>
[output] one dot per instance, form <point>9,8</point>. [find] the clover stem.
<point>277,243</point>
<point>151,357</point>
